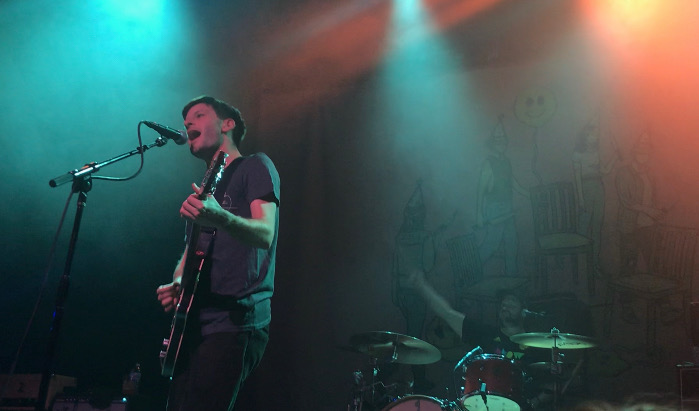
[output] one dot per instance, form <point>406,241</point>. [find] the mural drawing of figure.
<point>414,249</point>
<point>534,107</point>
<point>588,172</point>
<point>638,215</point>
<point>495,210</point>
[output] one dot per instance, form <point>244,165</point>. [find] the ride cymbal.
<point>554,339</point>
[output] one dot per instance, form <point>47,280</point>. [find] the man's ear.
<point>227,125</point>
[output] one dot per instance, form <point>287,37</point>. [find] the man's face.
<point>204,130</point>
<point>510,309</point>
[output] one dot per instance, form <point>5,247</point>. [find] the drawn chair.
<point>669,272</point>
<point>469,282</point>
<point>555,230</point>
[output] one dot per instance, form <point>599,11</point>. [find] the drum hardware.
<point>556,370</point>
<point>556,341</point>
<point>460,368</point>
<point>385,347</point>
<point>556,367</point>
<point>361,389</point>
<point>476,351</point>
<point>482,392</point>
<point>548,365</point>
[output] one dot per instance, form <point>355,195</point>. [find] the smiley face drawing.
<point>535,106</point>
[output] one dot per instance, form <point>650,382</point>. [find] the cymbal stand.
<point>556,370</point>
<point>556,367</point>
<point>355,403</point>
<point>360,387</point>
<point>374,373</point>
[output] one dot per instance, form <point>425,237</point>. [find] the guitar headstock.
<point>213,174</point>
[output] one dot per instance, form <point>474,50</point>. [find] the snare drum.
<point>493,383</point>
<point>416,402</point>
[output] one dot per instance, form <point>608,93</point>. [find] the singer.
<point>228,325</point>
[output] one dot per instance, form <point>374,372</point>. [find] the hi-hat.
<point>554,339</point>
<point>392,347</point>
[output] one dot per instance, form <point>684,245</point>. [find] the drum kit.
<point>488,382</point>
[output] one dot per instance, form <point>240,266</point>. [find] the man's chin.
<point>197,152</point>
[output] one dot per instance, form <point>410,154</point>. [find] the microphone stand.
<point>460,365</point>
<point>82,183</point>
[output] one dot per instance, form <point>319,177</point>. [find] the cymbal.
<point>554,340</point>
<point>392,347</point>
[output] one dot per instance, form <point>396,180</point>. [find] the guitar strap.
<point>226,177</point>
<point>208,234</point>
<point>207,238</point>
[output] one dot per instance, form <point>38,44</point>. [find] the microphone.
<point>534,313</point>
<point>178,136</point>
<point>476,351</point>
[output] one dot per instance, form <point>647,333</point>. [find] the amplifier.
<point>694,322</point>
<point>688,383</point>
<point>22,390</point>
<point>84,404</point>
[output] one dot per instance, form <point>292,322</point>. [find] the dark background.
<point>356,102</point>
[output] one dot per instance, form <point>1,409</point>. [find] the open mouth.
<point>192,134</point>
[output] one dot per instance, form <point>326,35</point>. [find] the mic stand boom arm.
<point>91,168</point>
<point>82,183</point>
<point>460,367</point>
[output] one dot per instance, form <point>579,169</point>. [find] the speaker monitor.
<point>694,318</point>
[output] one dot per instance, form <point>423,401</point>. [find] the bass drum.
<point>418,402</point>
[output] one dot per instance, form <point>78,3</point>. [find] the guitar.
<point>194,260</point>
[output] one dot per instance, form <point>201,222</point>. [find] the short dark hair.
<point>516,294</point>
<point>223,111</point>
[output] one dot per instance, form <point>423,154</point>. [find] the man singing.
<point>228,328</point>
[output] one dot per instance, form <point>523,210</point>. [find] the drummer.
<point>493,339</point>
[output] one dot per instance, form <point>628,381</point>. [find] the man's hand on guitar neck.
<point>204,211</point>
<point>168,295</point>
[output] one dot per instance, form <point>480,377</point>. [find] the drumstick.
<point>575,371</point>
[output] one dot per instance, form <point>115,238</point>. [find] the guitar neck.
<point>193,258</point>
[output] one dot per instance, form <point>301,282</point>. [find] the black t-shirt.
<point>237,281</point>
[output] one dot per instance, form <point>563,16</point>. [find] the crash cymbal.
<point>554,339</point>
<point>392,347</point>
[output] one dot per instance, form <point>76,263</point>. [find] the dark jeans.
<point>211,373</point>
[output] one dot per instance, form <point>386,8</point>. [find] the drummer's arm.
<point>438,304</point>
